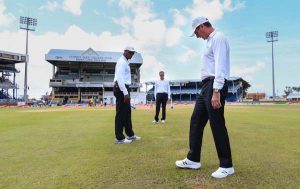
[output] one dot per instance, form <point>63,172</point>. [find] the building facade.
<point>8,72</point>
<point>81,75</point>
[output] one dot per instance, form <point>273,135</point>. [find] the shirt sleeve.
<point>120,77</point>
<point>221,56</point>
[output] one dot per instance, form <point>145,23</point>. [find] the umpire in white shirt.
<point>122,81</point>
<point>162,94</point>
<point>210,103</point>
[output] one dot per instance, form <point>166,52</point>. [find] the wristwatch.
<point>216,90</point>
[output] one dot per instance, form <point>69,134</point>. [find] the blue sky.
<point>159,29</point>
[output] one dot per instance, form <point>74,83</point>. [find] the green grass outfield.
<point>74,148</point>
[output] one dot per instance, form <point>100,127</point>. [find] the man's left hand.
<point>215,100</point>
<point>127,99</point>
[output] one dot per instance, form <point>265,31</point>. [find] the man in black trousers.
<point>162,94</point>
<point>210,103</point>
<point>122,81</point>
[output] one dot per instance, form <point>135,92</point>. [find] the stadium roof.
<point>90,56</point>
<point>189,80</point>
<point>11,58</point>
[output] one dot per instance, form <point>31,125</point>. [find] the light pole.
<point>28,24</point>
<point>272,37</point>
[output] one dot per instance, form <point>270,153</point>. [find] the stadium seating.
<point>3,95</point>
<point>6,84</point>
<point>55,100</point>
<point>233,97</point>
<point>188,91</point>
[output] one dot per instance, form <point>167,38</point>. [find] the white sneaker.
<point>154,121</point>
<point>186,163</point>
<point>134,137</point>
<point>163,121</point>
<point>222,172</point>
<point>124,141</point>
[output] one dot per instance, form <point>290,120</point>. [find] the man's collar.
<point>212,34</point>
<point>125,59</point>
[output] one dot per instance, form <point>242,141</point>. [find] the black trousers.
<point>123,115</point>
<point>203,112</point>
<point>161,100</point>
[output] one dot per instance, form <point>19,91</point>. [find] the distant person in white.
<point>161,94</point>
<point>122,81</point>
<point>211,101</point>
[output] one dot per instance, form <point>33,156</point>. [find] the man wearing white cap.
<point>122,81</point>
<point>210,103</point>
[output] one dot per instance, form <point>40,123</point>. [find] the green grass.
<point>74,148</point>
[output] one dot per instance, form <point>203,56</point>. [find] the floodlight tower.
<point>272,37</point>
<point>28,24</point>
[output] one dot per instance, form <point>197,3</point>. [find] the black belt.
<point>117,86</point>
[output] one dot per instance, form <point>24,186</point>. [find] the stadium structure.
<point>255,96</point>
<point>8,71</point>
<point>293,97</point>
<point>80,75</point>
<point>187,90</point>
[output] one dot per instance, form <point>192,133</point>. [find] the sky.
<point>159,30</point>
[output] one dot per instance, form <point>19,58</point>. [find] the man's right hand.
<point>126,99</point>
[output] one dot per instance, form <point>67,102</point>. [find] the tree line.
<point>288,90</point>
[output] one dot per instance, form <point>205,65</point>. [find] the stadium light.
<point>28,24</point>
<point>272,37</point>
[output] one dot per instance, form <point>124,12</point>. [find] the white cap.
<point>129,48</point>
<point>197,22</point>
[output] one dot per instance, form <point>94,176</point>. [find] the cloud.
<point>173,36</point>
<point>150,68</point>
<point>50,6</point>
<point>124,22</point>
<point>188,55</point>
<point>143,21</point>
<point>212,9</point>
<point>73,6</point>
<point>228,5</point>
<point>142,28</point>
<point>40,71</point>
<point>247,72</point>
<point>6,19</point>
<point>178,18</point>
<point>126,4</point>
<point>139,19</point>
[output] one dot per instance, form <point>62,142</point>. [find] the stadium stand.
<point>8,86</point>
<point>293,97</point>
<point>255,97</point>
<point>81,75</point>
<point>187,90</point>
